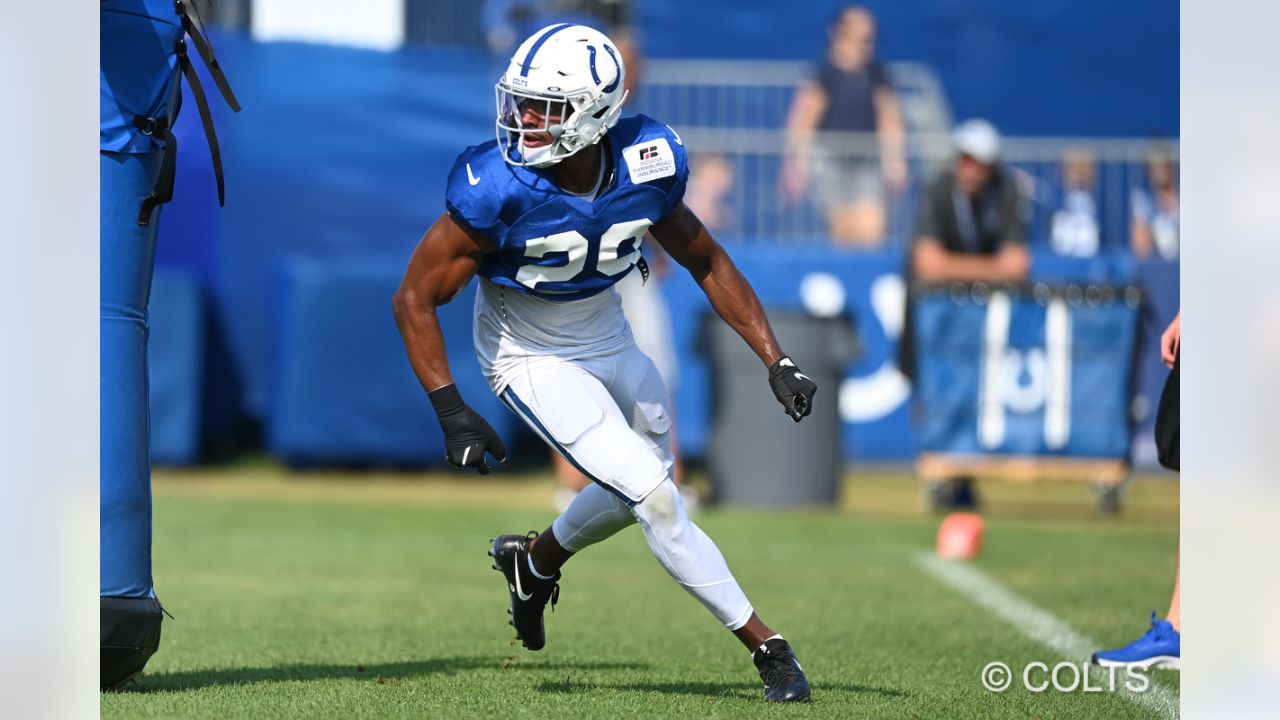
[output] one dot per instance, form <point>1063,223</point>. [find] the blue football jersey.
<point>560,246</point>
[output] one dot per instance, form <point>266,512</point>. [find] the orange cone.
<point>960,536</point>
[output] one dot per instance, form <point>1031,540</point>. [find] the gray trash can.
<point>758,456</point>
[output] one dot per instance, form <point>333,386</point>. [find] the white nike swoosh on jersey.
<point>520,590</point>
<point>472,178</point>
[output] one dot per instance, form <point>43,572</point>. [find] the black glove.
<point>467,436</point>
<point>793,388</point>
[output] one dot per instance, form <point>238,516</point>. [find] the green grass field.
<point>345,596</point>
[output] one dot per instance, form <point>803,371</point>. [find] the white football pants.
<point>609,416</point>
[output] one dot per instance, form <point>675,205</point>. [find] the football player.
<point>551,215</point>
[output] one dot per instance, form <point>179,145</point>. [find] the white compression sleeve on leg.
<point>594,515</point>
<point>690,557</point>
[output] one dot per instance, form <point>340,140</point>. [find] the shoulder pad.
<point>473,194</point>
<point>653,154</point>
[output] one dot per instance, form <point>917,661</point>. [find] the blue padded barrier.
<point>345,392</point>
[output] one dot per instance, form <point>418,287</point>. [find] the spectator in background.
<point>971,222</point>
<point>711,180</point>
<point>1154,210</point>
<point>849,93</point>
<point>1074,229</point>
<point>971,228</point>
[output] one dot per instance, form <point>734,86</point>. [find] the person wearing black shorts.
<point>1161,645</point>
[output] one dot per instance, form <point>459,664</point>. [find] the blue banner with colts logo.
<point>1025,371</point>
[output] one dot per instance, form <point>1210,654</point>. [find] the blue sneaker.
<point>1159,647</point>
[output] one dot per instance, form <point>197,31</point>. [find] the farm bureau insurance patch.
<point>650,160</point>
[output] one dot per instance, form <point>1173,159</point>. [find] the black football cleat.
<point>529,594</point>
<point>784,679</point>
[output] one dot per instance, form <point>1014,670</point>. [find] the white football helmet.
<point>562,92</point>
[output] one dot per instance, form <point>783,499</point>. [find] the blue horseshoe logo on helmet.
<point>596,76</point>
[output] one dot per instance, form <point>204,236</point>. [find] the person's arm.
<point>687,241</point>
<point>440,268</point>
<point>892,133</point>
<point>1140,238</point>
<point>806,111</point>
<point>932,262</point>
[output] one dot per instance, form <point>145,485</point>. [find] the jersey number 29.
<point>609,261</point>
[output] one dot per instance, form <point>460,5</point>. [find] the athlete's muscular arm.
<point>442,264</point>
<point>687,241</point>
<point>685,238</point>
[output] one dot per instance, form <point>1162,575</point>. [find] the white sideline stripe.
<point>1038,625</point>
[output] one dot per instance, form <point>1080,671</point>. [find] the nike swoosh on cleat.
<point>470,177</point>
<point>520,590</point>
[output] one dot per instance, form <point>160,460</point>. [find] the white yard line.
<point>1037,624</point>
